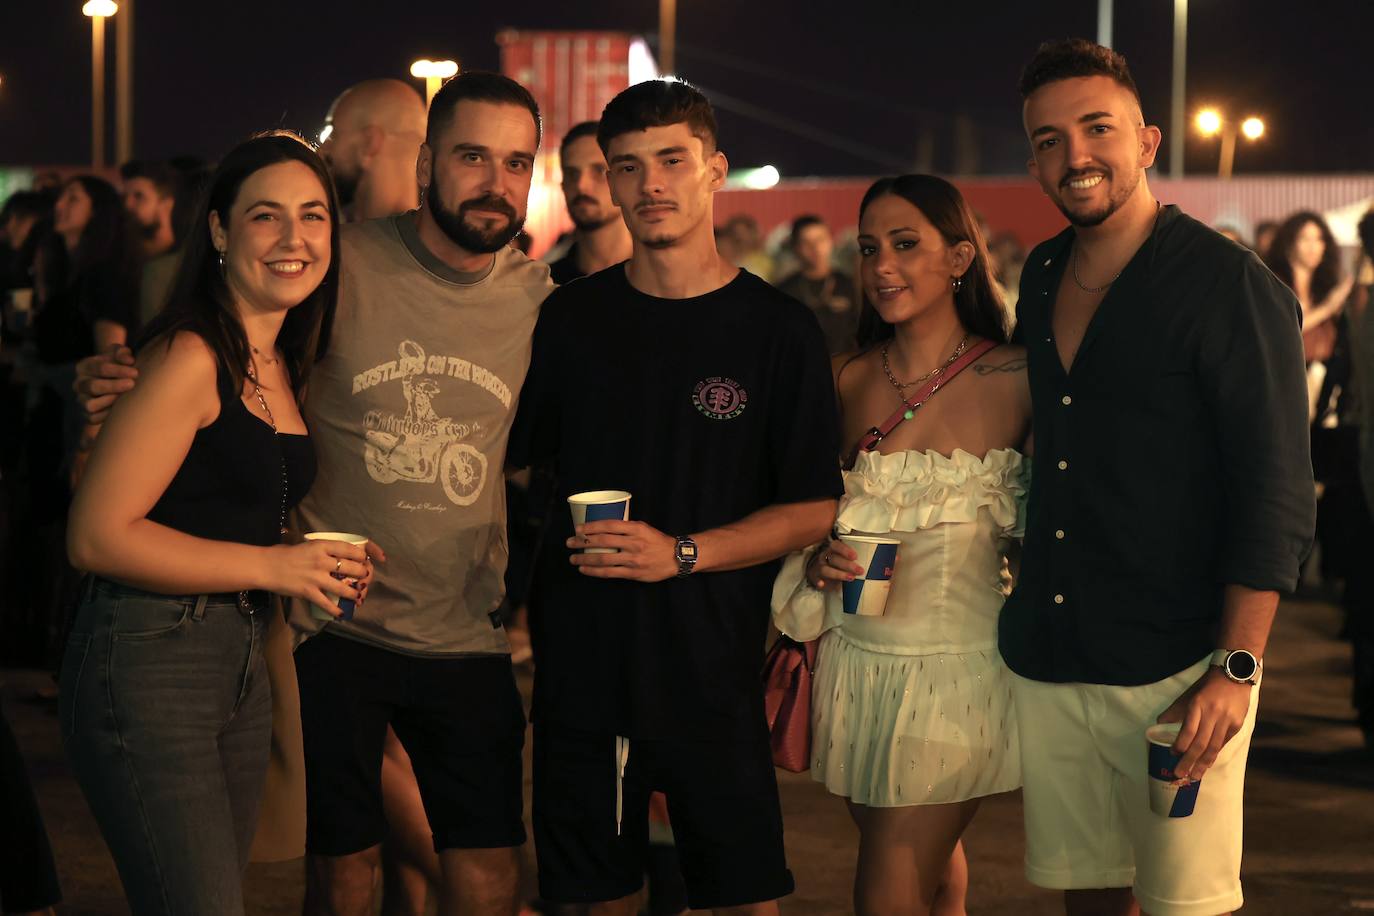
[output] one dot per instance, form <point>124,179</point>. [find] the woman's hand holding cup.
<point>833,562</point>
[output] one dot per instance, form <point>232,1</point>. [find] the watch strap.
<point>685,551</point>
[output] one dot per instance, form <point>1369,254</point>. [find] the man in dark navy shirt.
<point>1172,502</point>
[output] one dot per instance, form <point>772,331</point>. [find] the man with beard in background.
<point>601,239</point>
<point>371,136</point>
<point>149,192</point>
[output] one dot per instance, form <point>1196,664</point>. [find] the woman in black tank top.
<point>165,704</point>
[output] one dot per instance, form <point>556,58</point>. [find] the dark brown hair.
<point>977,301</point>
<point>659,103</point>
<point>1327,273</point>
<point>200,301</point>
<point>1070,58</point>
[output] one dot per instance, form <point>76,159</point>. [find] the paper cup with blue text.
<point>1167,798</point>
<point>866,596</point>
<point>345,605</point>
<point>599,506</point>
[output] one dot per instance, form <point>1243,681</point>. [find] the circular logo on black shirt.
<point>720,398</point>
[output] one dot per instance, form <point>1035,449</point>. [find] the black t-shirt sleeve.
<point>534,434</point>
<point>804,430</point>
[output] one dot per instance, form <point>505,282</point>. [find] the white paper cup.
<point>1166,798</point>
<point>599,506</point>
<point>345,605</point>
<point>866,596</point>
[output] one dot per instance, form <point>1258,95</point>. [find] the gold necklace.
<point>933,373</point>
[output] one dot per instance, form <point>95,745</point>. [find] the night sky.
<point>876,75</point>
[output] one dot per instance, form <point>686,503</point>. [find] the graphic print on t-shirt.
<point>720,398</point>
<point>419,445</point>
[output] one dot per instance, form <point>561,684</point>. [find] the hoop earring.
<point>957,283</point>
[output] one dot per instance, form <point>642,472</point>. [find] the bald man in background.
<point>371,137</point>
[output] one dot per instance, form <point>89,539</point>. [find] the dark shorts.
<point>722,799</point>
<point>460,719</point>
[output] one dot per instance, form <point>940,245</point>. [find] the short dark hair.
<point>1366,231</point>
<point>575,133</point>
<point>160,174</point>
<point>659,103</point>
<point>802,223</point>
<point>1069,58</point>
<point>479,86</point>
<point>26,204</point>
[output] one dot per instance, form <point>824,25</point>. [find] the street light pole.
<point>124,77</point>
<point>1178,113</point>
<point>97,92</point>
<point>98,10</point>
<point>1228,152</point>
<point>433,72</point>
<point>667,35</point>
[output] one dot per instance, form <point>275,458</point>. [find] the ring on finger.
<point>338,564</point>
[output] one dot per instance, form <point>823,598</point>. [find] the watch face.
<point>1241,665</point>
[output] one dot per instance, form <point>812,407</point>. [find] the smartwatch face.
<point>1241,665</point>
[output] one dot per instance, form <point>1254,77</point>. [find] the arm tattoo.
<point>1015,365</point>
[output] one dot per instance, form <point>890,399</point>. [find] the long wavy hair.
<point>977,301</point>
<point>1279,256</point>
<point>200,301</point>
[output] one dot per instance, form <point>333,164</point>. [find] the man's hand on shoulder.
<point>101,379</point>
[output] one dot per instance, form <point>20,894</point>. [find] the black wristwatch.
<point>686,553</point>
<point>1239,665</point>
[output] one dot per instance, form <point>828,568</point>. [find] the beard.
<point>147,231</point>
<point>1116,199</point>
<point>594,218</point>
<point>466,236</point>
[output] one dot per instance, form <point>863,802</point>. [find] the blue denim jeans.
<point>166,716</point>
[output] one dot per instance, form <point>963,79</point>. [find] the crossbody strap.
<point>914,403</point>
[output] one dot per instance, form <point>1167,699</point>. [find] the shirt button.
<point>1066,400</point>
<point>1059,534</point>
<point>1063,465</point>
<point>1058,599</point>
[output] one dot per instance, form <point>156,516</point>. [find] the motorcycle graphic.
<point>422,446</point>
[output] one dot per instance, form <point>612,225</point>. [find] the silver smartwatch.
<point>1239,665</point>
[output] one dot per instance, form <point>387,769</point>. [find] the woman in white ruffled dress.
<point>911,711</point>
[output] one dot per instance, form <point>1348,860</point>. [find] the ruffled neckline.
<point>912,490</point>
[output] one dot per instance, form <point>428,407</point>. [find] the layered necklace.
<point>935,373</point>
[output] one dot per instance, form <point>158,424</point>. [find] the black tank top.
<point>229,487</point>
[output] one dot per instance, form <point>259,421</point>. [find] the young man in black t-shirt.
<point>708,396</point>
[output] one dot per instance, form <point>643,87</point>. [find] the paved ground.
<point>1309,811</point>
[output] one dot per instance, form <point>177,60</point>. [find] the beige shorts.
<point>1087,805</point>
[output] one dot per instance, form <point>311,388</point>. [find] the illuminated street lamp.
<point>99,11</point>
<point>433,72</point>
<point>1210,122</point>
